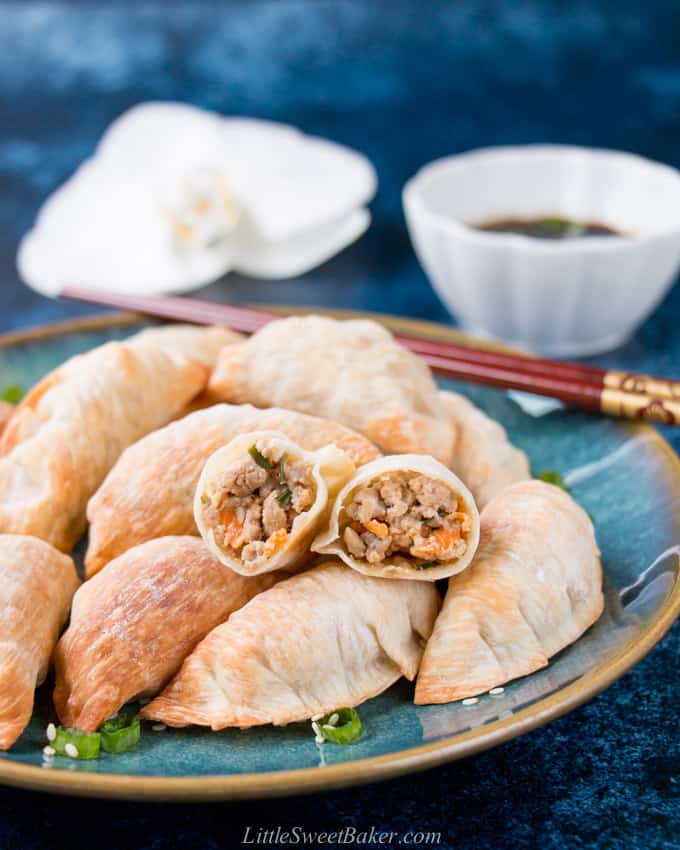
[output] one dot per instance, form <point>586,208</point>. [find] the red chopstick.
<point>591,388</point>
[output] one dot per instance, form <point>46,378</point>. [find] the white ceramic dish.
<point>567,297</point>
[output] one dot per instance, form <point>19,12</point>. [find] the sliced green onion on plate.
<point>346,729</point>
<point>121,733</point>
<point>551,476</point>
<point>75,743</point>
<point>12,394</point>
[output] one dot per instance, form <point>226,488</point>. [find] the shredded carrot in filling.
<point>233,529</point>
<point>377,528</point>
<point>405,517</point>
<point>252,508</point>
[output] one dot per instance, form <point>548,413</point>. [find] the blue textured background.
<point>403,82</point>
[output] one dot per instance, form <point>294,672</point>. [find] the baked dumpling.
<point>262,498</point>
<point>321,640</point>
<point>403,517</point>
<point>36,586</point>
<point>71,427</point>
<point>483,456</point>
<point>347,371</point>
<point>150,491</point>
<point>533,587</point>
<point>134,623</point>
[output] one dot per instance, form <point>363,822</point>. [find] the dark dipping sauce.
<point>548,227</point>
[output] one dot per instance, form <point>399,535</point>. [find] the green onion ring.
<point>86,743</point>
<point>348,729</point>
<point>121,733</point>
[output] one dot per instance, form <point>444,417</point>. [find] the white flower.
<point>174,197</point>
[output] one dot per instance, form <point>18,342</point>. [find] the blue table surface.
<point>404,82</point>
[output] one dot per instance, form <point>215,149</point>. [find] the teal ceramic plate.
<point>626,476</point>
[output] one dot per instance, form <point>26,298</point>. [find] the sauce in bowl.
<point>547,227</point>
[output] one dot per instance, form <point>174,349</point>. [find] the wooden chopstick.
<point>611,392</point>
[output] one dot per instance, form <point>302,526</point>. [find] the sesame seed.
<point>49,752</point>
<point>471,701</point>
<point>496,692</point>
<point>71,750</point>
<point>316,730</point>
<point>334,719</point>
<point>317,717</point>
<point>51,732</point>
<point>320,739</point>
<point>159,727</point>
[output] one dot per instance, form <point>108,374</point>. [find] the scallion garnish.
<point>426,565</point>
<point>121,733</point>
<point>551,476</point>
<point>12,394</point>
<point>342,726</point>
<point>259,458</point>
<point>75,743</point>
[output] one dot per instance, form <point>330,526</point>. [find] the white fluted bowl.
<point>567,297</point>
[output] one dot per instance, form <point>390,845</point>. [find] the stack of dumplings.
<point>272,522</point>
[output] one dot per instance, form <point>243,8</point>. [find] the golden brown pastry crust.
<point>150,491</point>
<point>71,427</point>
<point>36,586</point>
<point>347,371</point>
<point>534,586</point>
<point>323,639</point>
<point>6,411</point>
<point>483,456</point>
<point>135,622</point>
<point>195,342</point>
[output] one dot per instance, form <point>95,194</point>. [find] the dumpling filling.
<point>405,518</point>
<point>256,500</point>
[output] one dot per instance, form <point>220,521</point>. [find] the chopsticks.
<point>611,392</point>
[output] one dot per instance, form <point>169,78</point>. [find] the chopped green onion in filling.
<point>284,497</point>
<point>259,458</point>
<point>342,726</point>
<point>75,743</point>
<point>12,394</point>
<point>426,565</point>
<point>121,733</point>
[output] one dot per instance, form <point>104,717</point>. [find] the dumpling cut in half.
<point>534,586</point>
<point>262,498</point>
<point>321,640</point>
<point>36,586</point>
<point>403,517</point>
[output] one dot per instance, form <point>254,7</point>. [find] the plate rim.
<point>195,788</point>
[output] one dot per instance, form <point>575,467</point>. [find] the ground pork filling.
<point>255,501</point>
<point>407,518</point>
